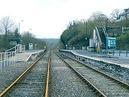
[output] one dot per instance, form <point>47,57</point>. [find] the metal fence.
<point>10,56</point>
<point>117,53</point>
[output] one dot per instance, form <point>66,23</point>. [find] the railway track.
<point>31,83</point>
<point>34,82</point>
<point>109,86</point>
<point>9,74</point>
<point>66,83</point>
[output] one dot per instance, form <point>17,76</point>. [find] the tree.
<point>99,19</point>
<point>6,25</point>
<point>27,38</point>
<point>115,14</point>
<point>123,41</point>
<point>14,36</point>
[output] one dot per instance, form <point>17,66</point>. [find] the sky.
<point>49,18</point>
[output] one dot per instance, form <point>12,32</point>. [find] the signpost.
<point>30,46</point>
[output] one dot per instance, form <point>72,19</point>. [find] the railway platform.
<point>117,60</point>
<point>25,56</point>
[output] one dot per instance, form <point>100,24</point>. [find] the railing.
<point>117,53</point>
<point>8,57</point>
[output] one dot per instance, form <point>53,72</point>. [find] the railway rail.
<point>9,74</point>
<point>51,76</point>
<point>105,84</point>
<point>66,83</point>
<point>31,82</point>
<point>34,82</point>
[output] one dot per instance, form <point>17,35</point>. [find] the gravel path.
<point>109,87</point>
<point>65,83</point>
<point>33,85</point>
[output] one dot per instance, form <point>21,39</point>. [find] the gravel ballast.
<point>117,71</point>
<point>65,83</point>
<point>33,84</point>
<point>9,73</point>
<point>110,87</point>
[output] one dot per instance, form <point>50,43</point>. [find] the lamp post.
<point>106,25</point>
<point>86,42</point>
<point>86,39</point>
<point>18,39</point>
<point>66,46</point>
<point>86,33</point>
<point>19,28</point>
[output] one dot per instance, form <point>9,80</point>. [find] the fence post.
<point>10,57</point>
<point>6,59</point>
<point>113,52</point>
<point>126,53</point>
<point>13,59</point>
<point>119,52</point>
<point>0,61</point>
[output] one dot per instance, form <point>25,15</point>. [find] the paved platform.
<point>25,56</point>
<point>123,62</point>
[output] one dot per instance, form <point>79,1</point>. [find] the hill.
<point>51,43</point>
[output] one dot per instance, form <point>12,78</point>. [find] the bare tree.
<point>6,24</point>
<point>99,18</point>
<point>115,14</point>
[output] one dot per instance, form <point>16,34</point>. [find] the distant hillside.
<point>51,43</point>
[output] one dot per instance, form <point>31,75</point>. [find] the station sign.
<point>30,46</point>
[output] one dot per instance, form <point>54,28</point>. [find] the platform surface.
<point>123,61</point>
<point>25,55</point>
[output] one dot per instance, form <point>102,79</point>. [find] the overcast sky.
<point>48,18</point>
